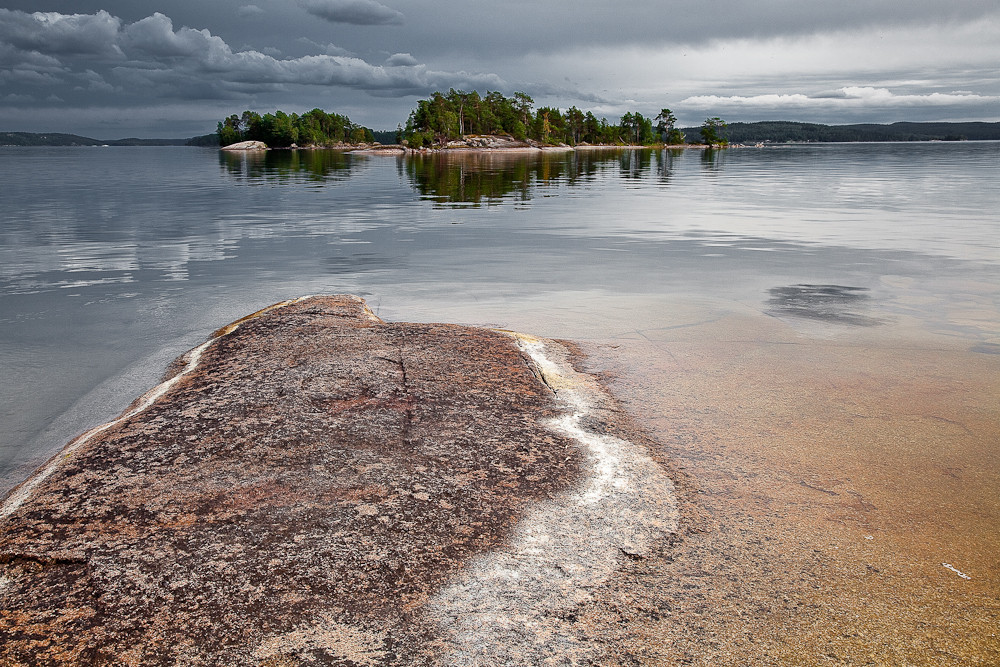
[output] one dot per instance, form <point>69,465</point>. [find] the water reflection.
<point>287,165</point>
<point>460,179</point>
<point>476,178</point>
<point>634,164</point>
<point>485,179</point>
<point>712,159</point>
<point>95,277</point>
<point>665,160</point>
<point>836,304</point>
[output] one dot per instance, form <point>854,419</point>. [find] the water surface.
<point>115,260</point>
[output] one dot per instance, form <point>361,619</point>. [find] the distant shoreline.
<point>397,149</point>
<point>774,132</point>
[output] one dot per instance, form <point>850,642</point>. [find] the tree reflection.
<point>287,165</point>
<point>712,159</point>
<point>634,163</point>
<point>665,160</point>
<point>488,178</point>
<point>461,178</point>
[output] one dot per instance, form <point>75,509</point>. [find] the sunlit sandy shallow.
<point>838,482</point>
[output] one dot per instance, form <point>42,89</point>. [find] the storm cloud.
<point>176,67</point>
<point>60,34</point>
<point>150,57</point>
<point>356,12</point>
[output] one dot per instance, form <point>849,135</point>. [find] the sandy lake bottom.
<point>838,490</point>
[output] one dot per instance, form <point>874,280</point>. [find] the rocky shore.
<point>316,486</point>
<point>470,143</point>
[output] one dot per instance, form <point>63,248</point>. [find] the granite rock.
<point>294,497</point>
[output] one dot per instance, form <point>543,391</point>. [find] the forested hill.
<point>784,131</point>
<point>59,139</point>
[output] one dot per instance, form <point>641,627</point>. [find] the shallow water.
<point>113,261</point>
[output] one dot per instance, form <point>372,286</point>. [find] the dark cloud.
<point>13,58</point>
<point>249,12</point>
<point>151,56</point>
<point>329,48</point>
<point>543,27</point>
<point>60,34</point>
<point>355,12</point>
<point>808,60</point>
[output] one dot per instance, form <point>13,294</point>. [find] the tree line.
<point>445,117</point>
<point>281,130</point>
<point>788,131</point>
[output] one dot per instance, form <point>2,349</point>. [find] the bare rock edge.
<point>316,486</point>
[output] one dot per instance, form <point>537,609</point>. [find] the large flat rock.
<point>296,496</point>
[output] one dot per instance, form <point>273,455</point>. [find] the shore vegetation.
<point>713,132</point>
<point>445,117</point>
<point>281,130</point>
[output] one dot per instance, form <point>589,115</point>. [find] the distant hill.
<point>786,131</point>
<point>60,139</point>
<point>211,140</point>
<point>47,139</point>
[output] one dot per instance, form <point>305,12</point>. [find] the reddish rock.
<point>297,496</point>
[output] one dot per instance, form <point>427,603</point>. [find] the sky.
<point>110,69</point>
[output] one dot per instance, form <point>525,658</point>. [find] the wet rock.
<point>295,497</point>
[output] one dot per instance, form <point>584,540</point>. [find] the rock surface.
<point>494,141</point>
<point>246,146</point>
<point>307,491</point>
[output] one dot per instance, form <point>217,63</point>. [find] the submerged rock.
<point>301,491</point>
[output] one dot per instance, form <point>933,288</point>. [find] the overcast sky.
<point>172,68</point>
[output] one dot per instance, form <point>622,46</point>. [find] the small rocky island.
<point>316,486</point>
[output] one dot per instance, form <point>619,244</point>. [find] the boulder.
<point>246,146</point>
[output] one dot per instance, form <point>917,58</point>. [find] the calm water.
<point>115,260</point>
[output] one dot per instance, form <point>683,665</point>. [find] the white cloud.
<point>355,12</point>
<point>155,36</point>
<point>401,60</point>
<point>61,34</point>
<point>848,97</point>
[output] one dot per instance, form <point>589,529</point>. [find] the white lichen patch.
<point>517,606</point>
<point>336,640</point>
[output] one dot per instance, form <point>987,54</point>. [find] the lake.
<point>115,260</point>
<point>736,300</point>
